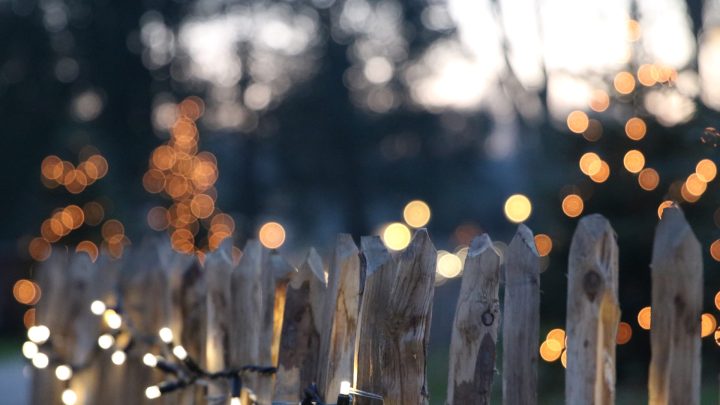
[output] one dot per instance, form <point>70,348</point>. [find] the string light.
<point>118,357</point>
<point>63,372</point>
<point>152,392</point>
<point>29,350</point>
<point>40,360</point>
<point>38,334</point>
<point>106,341</point>
<point>150,360</point>
<point>97,307</point>
<point>69,397</point>
<point>180,352</point>
<point>112,319</point>
<point>166,335</point>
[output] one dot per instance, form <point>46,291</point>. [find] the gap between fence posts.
<point>521,322</point>
<point>593,313</point>
<point>677,290</point>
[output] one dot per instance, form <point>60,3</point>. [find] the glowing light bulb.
<point>63,372</point>
<point>118,357</point>
<point>69,397</point>
<point>345,388</point>
<point>153,392</point>
<point>97,307</point>
<point>106,341</point>
<point>38,334</point>
<point>29,350</point>
<point>235,401</point>
<point>112,319</point>
<point>166,335</point>
<point>150,360</point>
<point>180,352</point>
<point>40,360</point>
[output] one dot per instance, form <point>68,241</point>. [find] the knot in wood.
<point>592,282</point>
<point>487,318</point>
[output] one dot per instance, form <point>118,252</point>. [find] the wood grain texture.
<point>339,319</point>
<point>300,336</point>
<point>275,275</point>
<point>677,281</point>
<point>247,310</point>
<point>593,313</point>
<point>395,319</point>
<point>521,325</point>
<point>474,335</point>
<point>193,309</point>
<point>218,272</point>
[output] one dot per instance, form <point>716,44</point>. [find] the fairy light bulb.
<point>112,319</point>
<point>166,335</point>
<point>29,350</point>
<point>38,334</point>
<point>106,341</point>
<point>345,388</point>
<point>180,352</point>
<point>235,401</point>
<point>150,360</point>
<point>97,307</point>
<point>152,392</point>
<point>63,372</point>
<point>69,397</point>
<point>40,360</point>
<point>118,357</point>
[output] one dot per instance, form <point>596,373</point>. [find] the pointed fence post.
<point>300,337</point>
<point>475,330</point>
<point>247,311</point>
<point>677,290</point>
<point>521,324</point>
<point>593,313</point>
<point>275,273</point>
<point>218,271</point>
<point>397,308</point>
<point>339,322</point>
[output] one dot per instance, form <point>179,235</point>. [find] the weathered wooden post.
<point>475,330</point>
<point>397,307</point>
<point>247,311</point>
<point>339,319</point>
<point>218,271</point>
<point>275,273</point>
<point>593,313</point>
<point>677,282</point>
<point>300,337</point>
<point>521,325</point>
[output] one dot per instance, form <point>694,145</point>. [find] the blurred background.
<point>292,121</point>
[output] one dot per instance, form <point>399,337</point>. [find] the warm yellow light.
<point>695,186</point>
<point>345,388</point>
<point>717,300</point>
<point>272,235</point>
<point>577,121</point>
<point>634,161</point>
<point>633,30</point>
<point>152,392</point>
<point>635,128</point>
<point>118,357</point>
<point>150,360</point>
<point>416,213</point>
<point>180,352</point>
<point>603,174</point>
<point>662,206</point>
<point>543,244</point>
<point>97,307</point>
<point>708,324</point>
<point>448,265</point>
<point>624,83</point>
<point>29,350</point>
<point>563,358</point>
<point>624,333</point>
<point>590,163</point>
<point>715,250</point>
<point>706,170</point>
<point>518,208</point>
<point>166,335</point>
<point>648,74</point>
<point>557,336</point>
<point>572,205</point>
<point>599,100</point>
<point>105,341</point>
<point>643,318</point>
<point>38,334</point>
<point>396,236</point>
<point>548,353</point>
<point>648,179</point>
<point>112,319</point>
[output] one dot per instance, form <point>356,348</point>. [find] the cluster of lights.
<point>554,347</point>
<point>39,337</point>
<point>57,172</point>
<point>397,235</point>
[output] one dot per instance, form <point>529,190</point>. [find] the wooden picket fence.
<point>366,319</point>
